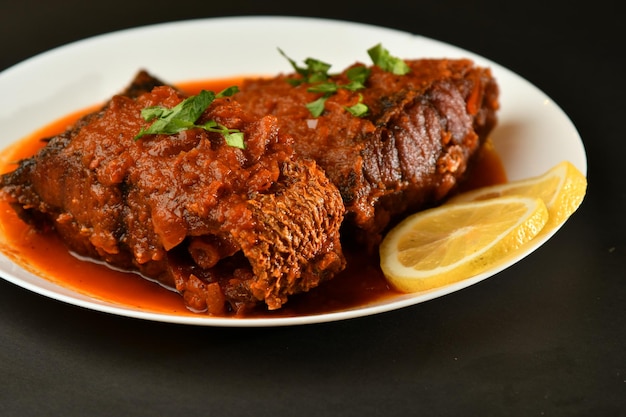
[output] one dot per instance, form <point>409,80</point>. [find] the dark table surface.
<point>546,337</point>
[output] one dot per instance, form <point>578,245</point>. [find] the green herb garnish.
<point>381,57</point>
<point>359,109</point>
<point>357,76</point>
<point>316,72</point>
<point>184,116</point>
<point>317,107</point>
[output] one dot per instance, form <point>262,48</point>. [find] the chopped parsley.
<point>359,109</point>
<point>316,107</point>
<point>382,58</point>
<point>184,116</point>
<point>316,72</point>
<point>357,76</point>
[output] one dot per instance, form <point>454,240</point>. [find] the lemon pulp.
<point>562,188</point>
<point>454,241</point>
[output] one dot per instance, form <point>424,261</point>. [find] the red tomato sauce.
<point>46,256</point>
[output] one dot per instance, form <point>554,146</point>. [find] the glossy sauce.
<point>46,256</point>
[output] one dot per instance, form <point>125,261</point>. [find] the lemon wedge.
<point>451,242</point>
<point>562,188</point>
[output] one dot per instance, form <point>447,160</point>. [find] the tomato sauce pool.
<point>45,255</point>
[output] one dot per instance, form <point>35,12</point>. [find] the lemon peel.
<point>562,188</point>
<point>476,230</point>
<point>446,244</point>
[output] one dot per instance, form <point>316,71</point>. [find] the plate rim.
<point>66,295</point>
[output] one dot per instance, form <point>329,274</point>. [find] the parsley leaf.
<point>184,115</point>
<point>316,73</point>
<point>317,107</point>
<point>359,109</point>
<point>358,76</point>
<point>381,57</point>
<point>315,70</point>
<point>233,137</point>
<point>326,88</point>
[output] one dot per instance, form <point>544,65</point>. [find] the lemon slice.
<point>562,188</point>
<point>443,245</point>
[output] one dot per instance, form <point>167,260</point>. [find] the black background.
<point>546,337</point>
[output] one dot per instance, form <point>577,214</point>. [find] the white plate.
<point>533,132</point>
